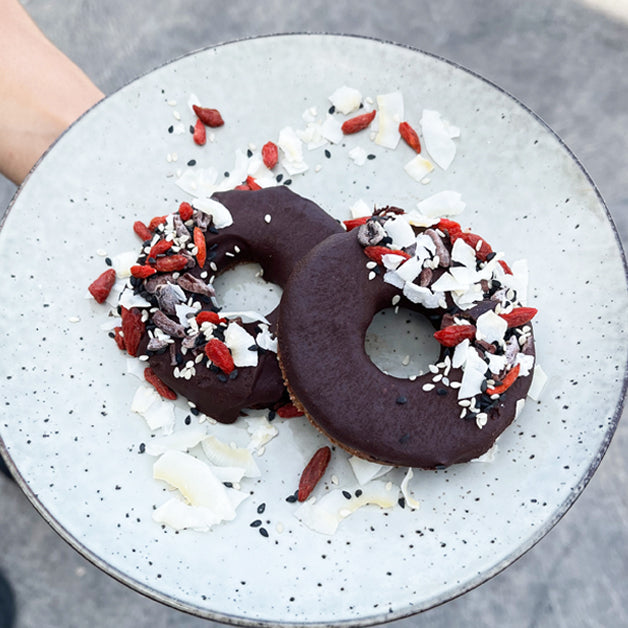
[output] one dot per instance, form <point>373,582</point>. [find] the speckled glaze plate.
<point>67,429</point>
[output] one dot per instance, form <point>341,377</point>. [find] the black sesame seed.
<point>171,129</point>
<point>261,508</point>
<point>346,494</point>
<point>271,415</point>
<point>263,532</point>
<point>108,261</point>
<point>401,400</point>
<point>194,411</point>
<point>142,448</point>
<point>288,182</point>
<point>249,153</point>
<point>226,174</point>
<point>327,153</point>
<point>222,378</point>
<point>358,493</point>
<point>256,524</point>
<point>233,374</point>
<point>291,499</point>
<point>279,177</point>
<point>191,128</point>
<point>332,110</point>
<point>441,391</point>
<point>192,162</point>
<point>370,156</point>
<point>187,420</point>
<point>228,484</point>
<point>402,502</point>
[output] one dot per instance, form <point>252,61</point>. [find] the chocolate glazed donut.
<point>273,227</point>
<point>326,309</point>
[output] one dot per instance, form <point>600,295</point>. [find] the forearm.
<point>41,92</point>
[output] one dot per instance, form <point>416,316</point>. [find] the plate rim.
<point>408,610</point>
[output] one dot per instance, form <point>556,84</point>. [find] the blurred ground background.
<point>564,59</point>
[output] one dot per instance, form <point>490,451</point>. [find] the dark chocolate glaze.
<point>296,225</point>
<point>326,309</point>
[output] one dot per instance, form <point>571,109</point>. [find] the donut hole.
<point>400,342</point>
<point>243,287</point>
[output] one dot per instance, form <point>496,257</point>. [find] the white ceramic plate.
<point>67,428</point>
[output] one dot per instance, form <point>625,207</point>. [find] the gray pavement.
<point>564,59</point>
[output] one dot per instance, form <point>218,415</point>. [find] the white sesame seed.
<point>463,413</point>
<point>372,275</point>
<point>406,360</point>
<point>433,368</point>
<point>428,387</point>
<point>236,249</point>
<point>371,264</point>
<point>396,299</point>
<point>176,114</point>
<point>437,378</point>
<point>318,168</point>
<point>74,319</point>
<point>267,218</point>
<point>464,403</point>
<point>143,358</point>
<point>213,266</point>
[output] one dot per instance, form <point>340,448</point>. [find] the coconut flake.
<point>331,130</point>
<point>292,149</point>
<point>181,440</point>
<point>358,155</point>
<point>390,115</point>
<point>401,232</point>
<point>445,203</point>
<point>365,471</point>
<point>539,379</point>
<point>128,299</point>
<point>473,376</point>
<point>325,514</point>
<point>405,491</point>
<point>122,263</point>
<point>265,339</point>
<point>424,296</point>
<point>223,455</point>
<point>221,216</point>
<point>157,412</point>
<point>359,209</point>
<point>438,138</point>
<point>261,431</point>
<point>196,483</point>
<point>419,167</point>
<point>490,327</point>
<point>247,316</point>
<point>346,99</point>
<point>239,342</point>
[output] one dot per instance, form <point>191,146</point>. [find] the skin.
<point>41,92</point>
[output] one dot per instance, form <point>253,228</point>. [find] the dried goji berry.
<point>454,334</point>
<point>519,316</point>
<point>352,223</point>
<point>218,352</point>
<point>451,227</point>
<point>313,472</point>
<point>506,382</point>
<point>101,287</point>
<point>155,222</point>
<point>171,263</point>
<point>270,155</point>
<point>209,117</point>
<point>200,135</point>
<point>132,329</point>
<point>208,316</point>
<point>119,338</point>
<point>358,123</point>
<point>186,211</point>
<point>505,266</point>
<point>242,186</point>
<point>252,183</point>
<point>376,253</point>
<point>142,230</point>
<point>480,245</point>
<point>159,248</point>
<point>142,271</point>
<point>288,411</point>
<point>151,377</point>
<point>410,136</point>
<point>201,246</point>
